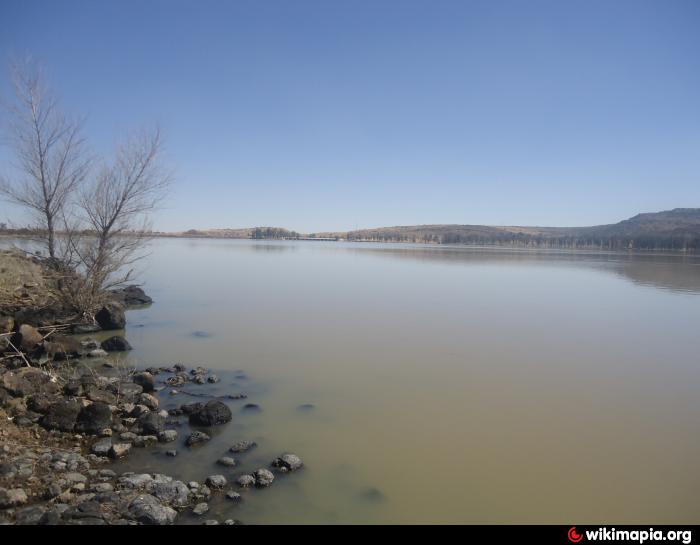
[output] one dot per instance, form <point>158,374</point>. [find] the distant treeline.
<point>680,242</point>
<point>273,232</point>
<point>676,230</point>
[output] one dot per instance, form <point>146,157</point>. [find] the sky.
<point>334,115</point>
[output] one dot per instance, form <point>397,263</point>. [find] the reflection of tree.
<point>672,272</point>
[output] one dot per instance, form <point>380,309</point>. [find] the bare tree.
<point>51,155</point>
<point>117,208</point>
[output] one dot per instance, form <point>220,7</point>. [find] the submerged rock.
<point>216,481</point>
<point>242,446</point>
<point>288,462</point>
<point>263,478</point>
<point>213,413</point>
<point>245,481</point>
<point>197,438</point>
<point>226,461</point>
<point>116,344</point>
<point>200,509</point>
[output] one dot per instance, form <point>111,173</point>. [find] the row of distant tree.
<point>682,242</point>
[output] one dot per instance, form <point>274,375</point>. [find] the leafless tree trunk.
<point>117,208</point>
<point>52,160</point>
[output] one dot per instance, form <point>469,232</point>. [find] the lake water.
<point>449,385</point>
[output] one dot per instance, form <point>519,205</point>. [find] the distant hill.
<point>677,229</point>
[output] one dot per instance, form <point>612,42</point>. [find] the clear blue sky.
<point>335,114</point>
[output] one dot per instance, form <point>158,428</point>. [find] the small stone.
<point>200,509</point>
<point>12,497</point>
<point>242,446</point>
<point>263,478</point>
<point>245,481</point>
<point>145,441</point>
<point>216,481</point>
<point>119,450</point>
<point>97,353</point>
<point>289,462</point>
<point>167,436</point>
<point>233,496</point>
<point>146,509</point>
<point>171,453</point>
<point>149,401</point>
<point>197,438</point>
<point>226,461</point>
<point>102,447</point>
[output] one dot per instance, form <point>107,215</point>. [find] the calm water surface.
<point>449,385</point>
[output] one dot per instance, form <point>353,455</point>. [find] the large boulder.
<point>61,416</point>
<point>111,316</point>
<point>116,344</point>
<point>213,413</point>
<point>94,418</point>
<point>131,296</point>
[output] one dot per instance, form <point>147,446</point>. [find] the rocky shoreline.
<point>68,416</point>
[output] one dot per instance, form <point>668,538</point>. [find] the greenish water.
<point>449,385</point>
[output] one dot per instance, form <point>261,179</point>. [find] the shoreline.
<point>69,415</point>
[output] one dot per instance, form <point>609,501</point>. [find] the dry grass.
<point>20,278</point>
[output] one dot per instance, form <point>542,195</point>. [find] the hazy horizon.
<point>319,116</point>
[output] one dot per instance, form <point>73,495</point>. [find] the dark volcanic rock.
<point>116,344</point>
<point>242,446</point>
<point>288,462</point>
<point>213,413</point>
<point>196,438</point>
<point>61,416</point>
<point>94,418</point>
<point>263,478</point>
<point>111,316</point>
<point>40,403</point>
<point>152,423</point>
<point>131,296</point>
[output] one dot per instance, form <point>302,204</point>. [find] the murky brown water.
<point>449,384</point>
